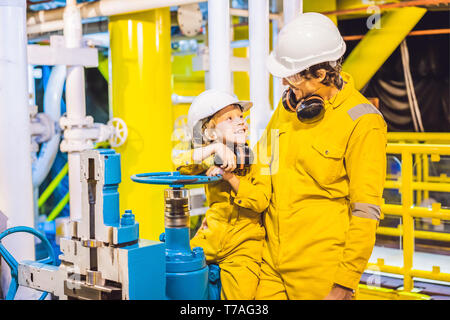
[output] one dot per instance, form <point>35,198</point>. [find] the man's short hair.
<point>332,77</point>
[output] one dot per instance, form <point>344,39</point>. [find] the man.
<point>328,173</point>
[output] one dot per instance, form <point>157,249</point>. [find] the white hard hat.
<point>208,103</point>
<point>309,39</point>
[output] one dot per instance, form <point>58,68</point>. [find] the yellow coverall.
<point>234,236</point>
<point>327,183</point>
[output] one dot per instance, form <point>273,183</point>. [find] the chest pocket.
<point>326,161</point>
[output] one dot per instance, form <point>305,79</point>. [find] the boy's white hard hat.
<point>209,102</point>
<point>309,39</point>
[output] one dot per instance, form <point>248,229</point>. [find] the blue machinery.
<point>103,256</point>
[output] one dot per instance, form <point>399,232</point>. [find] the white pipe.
<point>75,103</point>
<point>244,13</point>
<point>16,189</point>
<point>219,45</point>
<point>52,107</point>
<point>260,113</point>
<point>277,85</point>
<point>177,99</point>
<point>291,9</point>
<point>51,20</point>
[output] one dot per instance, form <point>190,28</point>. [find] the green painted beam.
<point>378,44</point>
<point>103,66</point>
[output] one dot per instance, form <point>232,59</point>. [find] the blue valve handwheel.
<point>173,179</point>
<point>14,265</point>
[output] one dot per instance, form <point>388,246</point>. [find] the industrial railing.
<point>420,183</point>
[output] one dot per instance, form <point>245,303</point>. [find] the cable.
<point>412,99</point>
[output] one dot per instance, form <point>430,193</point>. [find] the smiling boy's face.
<point>230,125</point>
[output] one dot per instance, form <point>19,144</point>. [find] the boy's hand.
<point>214,171</point>
<point>227,155</point>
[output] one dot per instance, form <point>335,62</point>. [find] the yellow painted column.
<point>408,220</point>
<point>141,96</point>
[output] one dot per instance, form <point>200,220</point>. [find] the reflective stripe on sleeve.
<point>366,210</point>
<point>362,109</point>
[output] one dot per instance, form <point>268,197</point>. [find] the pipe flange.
<point>67,123</point>
<point>190,19</point>
<point>76,145</point>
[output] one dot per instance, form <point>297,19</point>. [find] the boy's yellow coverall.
<point>327,183</point>
<point>234,235</point>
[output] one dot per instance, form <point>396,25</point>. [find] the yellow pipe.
<point>367,292</point>
<point>398,148</point>
<point>426,177</point>
<point>419,136</point>
<point>438,179</point>
<point>411,273</point>
<point>418,212</point>
<point>408,220</point>
<point>378,44</point>
<point>430,186</point>
<point>398,232</point>
<point>431,275</point>
<point>141,96</point>
<point>418,164</point>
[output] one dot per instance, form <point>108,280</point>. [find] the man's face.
<point>230,125</point>
<point>303,87</point>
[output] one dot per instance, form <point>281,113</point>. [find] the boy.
<point>232,233</point>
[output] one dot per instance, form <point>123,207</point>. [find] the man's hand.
<point>339,293</point>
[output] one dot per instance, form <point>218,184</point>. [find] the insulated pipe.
<point>52,107</point>
<point>259,76</point>
<point>75,102</point>
<point>16,188</point>
<point>51,20</point>
<point>219,45</point>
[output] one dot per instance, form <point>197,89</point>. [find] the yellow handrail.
<point>407,184</point>
<point>419,136</point>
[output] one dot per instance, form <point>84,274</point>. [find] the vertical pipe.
<point>219,45</point>
<point>408,220</point>
<point>426,169</point>
<point>277,86</point>
<point>419,193</point>
<point>16,189</point>
<point>259,76</point>
<point>291,9</point>
<point>75,102</point>
<point>140,82</point>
